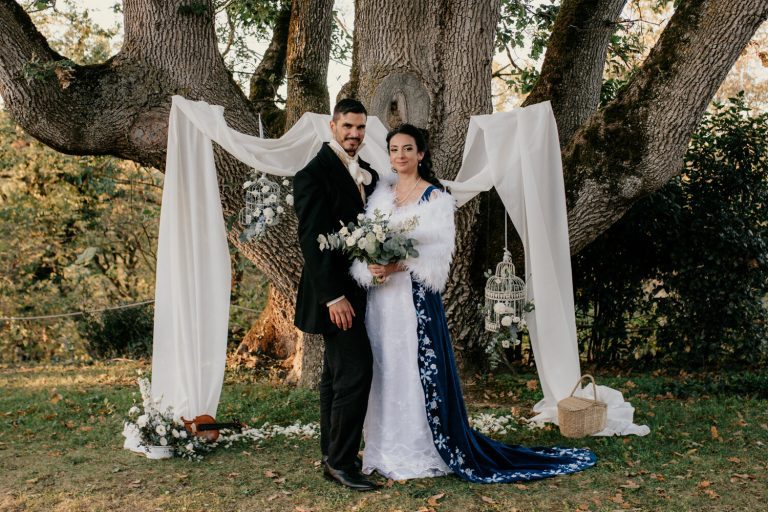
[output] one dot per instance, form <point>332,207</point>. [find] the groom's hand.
<point>341,314</point>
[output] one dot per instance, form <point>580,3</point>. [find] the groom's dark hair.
<point>347,106</point>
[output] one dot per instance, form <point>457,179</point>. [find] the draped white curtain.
<point>517,153</point>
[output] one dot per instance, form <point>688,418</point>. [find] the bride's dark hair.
<point>425,166</point>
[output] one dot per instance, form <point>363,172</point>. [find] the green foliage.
<point>683,277</point>
<point>119,332</point>
<point>75,233</point>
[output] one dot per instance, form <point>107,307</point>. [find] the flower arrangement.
<point>506,337</point>
<point>262,206</point>
<point>154,427</point>
<point>373,239</point>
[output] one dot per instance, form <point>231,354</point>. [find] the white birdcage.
<point>262,207</point>
<point>504,294</point>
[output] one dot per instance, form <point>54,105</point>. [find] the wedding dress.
<point>416,424</point>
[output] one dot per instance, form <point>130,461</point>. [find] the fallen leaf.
<point>433,500</point>
<point>233,475</point>
<point>271,474</point>
<point>532,385</point>
<point>33,480</point>
<point>735,460</point>
<point>712,494</point>
<point>584,506</point>
<point>630,485</point>
<point>704,484</point>
<point>86,428</point>
<point>630,384</point>
<point>486,499</point>
<point>273,497</point>
<point>389,483</point>
<point>713,432</point>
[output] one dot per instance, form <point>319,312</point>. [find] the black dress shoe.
<point>358,462</point>
<point>351,479</point>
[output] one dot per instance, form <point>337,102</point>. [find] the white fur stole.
<point>435,236</point>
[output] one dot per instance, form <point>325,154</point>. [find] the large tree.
<point>425,62</point>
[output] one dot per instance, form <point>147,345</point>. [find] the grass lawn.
<point>61,450</point>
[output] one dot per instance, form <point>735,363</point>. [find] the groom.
<point>331,191</point>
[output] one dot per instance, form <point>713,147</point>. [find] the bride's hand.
<point>384,271</point>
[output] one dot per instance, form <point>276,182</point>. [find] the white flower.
<point>516,319</point>
<point>286,183</point>
<point>506,321</point>
<point>344,231</point>
<point>380,236</point>
<point>499,308</point>
<point>362,243</point>
<point>280,209</point>
<point>142,420</point>
<point>360,216</point>
<point>357,233</point>
<point>270,221</point>
<point>183,434</point>
<point>190,447</point>
<point>133,410</point>
<point>505,343</point>
<point>163,441</point>
<point>351,241</point>
<point>160,429</point>
<point>322,241</point>
<point>269,213</point>
<point>508,309</point>
<point>272,198</point>
<point>265,189</point>
<point>289,199</point>
<point>175,433</point>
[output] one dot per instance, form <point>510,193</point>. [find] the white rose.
<point>344,231</point>
<point>175,433</point>
<point>265,189</point>
<point>506,321</point>
<point>499,308</point>
<point>286,183</point>
<point>351,241</point>
<point>357,233</point>
<point>269,213</point>
<point>380,236</point>
<point>360,216</point>
<point>190,447</point>
<point>142,420</point>
<point>183,434</point>
<point>272,198</point>
<point>280,209</point>
<point>362,243</point>
<point>289,199</point>
<point>505,343</point>
<point>160,429</point>
<point>133,410</point>
<point>163,441</point>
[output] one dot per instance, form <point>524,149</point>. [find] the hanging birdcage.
<point>504,295</point>
<point>262,207</point>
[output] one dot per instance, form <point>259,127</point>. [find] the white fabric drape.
<point>515,152</point>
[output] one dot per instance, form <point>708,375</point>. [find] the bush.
<point>119,332</point>
<point>684,275</point>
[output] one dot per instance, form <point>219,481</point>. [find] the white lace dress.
<point>398,439</point>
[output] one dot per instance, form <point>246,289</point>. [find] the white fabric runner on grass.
<point>517,153</point>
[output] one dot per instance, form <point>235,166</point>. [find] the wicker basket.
<point>581,417</point>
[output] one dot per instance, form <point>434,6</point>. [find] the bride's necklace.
<point>399,202</point>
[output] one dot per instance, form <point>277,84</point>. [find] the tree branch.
<point>572,73</point>
<point>636,143</point>
<point>271,72</point>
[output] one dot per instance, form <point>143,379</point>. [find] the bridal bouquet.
<point>372,240</point>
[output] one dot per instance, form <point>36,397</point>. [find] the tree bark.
<point>572,72</point>
<point>636,143</point>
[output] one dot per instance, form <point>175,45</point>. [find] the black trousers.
<point>344,387</point>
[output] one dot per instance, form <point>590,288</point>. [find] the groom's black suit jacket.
<point>324,194</point>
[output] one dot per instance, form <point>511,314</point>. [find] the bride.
<point>416,425</point>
